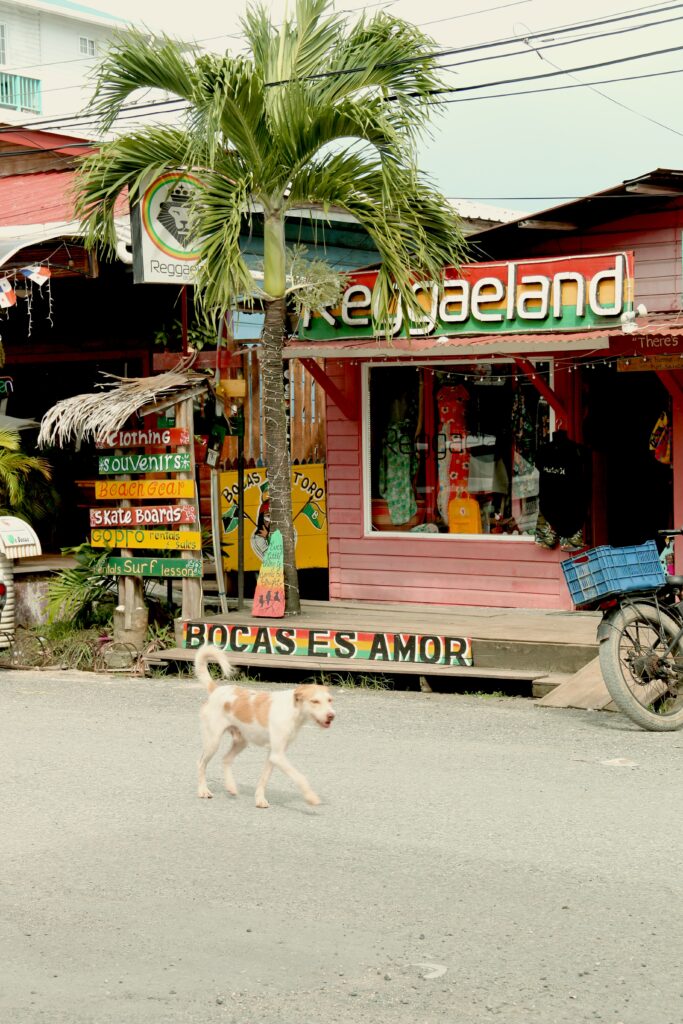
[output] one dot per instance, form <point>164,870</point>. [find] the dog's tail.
<point>203,656</point>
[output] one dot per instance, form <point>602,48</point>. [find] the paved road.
<point>474,860</point>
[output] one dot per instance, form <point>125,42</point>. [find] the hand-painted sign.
<point>171,568</point>
<point>163,248</point>
<point>269,595</point>
<point>138,490</point>
<point>155,540</point>
<point>173,462</point>
<point>6,385</point>
<point>545,294</point>
<point>336,644</point>
<point>636,364</point>
<point>146,515</point>
<point>145,438</point>
<point>308,509</point>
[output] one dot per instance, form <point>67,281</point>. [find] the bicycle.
<point>640,636</point>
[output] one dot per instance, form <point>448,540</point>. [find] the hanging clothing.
<point>562,484</point>
<point>454,467</point>
<point>397,468</point>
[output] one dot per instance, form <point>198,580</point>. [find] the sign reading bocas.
<point>147,515</point>
<point>172,462</point>
<point>309,511</point>
<point>190,540</point>
<point>563,294</point>
<point>145,438</point>
<point>340,644</point>
<point>138,490</point>
<point>171,568</point>
<point>163,250</point>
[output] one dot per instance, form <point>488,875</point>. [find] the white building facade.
<point>47,48</point>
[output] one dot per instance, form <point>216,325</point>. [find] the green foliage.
<point>199,336</point>
<point>82,595</point>
<point>24,481</point>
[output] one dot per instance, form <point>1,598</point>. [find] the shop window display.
<point>456,449</point>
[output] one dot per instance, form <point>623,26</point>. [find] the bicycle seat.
<point>674,581</point>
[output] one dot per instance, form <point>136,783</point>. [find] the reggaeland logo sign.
<point>564,294</point>
<point>165,210</point>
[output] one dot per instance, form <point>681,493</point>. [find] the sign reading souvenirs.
<point>170,568</point>
<point>160,223</point>
<point>340,645</point>
<point>190,540</point>
<point>545,294</point>
<point>173,462</point>
<point>138,490</point>
<point>145,438</point>
<point>146,515</point>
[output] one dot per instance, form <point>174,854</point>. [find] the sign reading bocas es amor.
<point>564,294</point>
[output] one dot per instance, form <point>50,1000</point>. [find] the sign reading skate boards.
<point>163,251</point>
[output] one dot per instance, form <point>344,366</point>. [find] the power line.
<point>561,88</point>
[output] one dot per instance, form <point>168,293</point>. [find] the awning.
<point>482,345</point>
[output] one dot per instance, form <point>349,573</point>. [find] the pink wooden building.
<point>441,440</point>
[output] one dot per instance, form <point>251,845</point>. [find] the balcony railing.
<point>19,93</point>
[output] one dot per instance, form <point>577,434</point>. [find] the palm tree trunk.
<point>278,461</point>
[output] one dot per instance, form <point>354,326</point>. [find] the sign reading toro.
<point>563,294</point>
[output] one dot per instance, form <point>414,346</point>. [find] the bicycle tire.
<point>645,683</point>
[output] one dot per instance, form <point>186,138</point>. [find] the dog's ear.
<point>299,694</point>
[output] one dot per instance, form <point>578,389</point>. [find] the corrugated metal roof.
<point>37,198</point>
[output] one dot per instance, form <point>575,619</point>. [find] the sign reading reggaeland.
<point>163,251</point>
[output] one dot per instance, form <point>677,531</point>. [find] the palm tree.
<point>23,481</point>
<point>321,112</point>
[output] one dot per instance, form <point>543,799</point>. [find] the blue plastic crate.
<point>600,572</point>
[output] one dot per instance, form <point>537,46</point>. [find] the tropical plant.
<point>323,112</point>
<point>24,480</point>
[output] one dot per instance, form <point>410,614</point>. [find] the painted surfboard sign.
<point>151,438</point>
<point>339,645</point>
<point>168,568</point>
<point>173,462</point>
<point>269,595</point>
<point>145,515</point>
<point>138,490</point>
<point>153,539</point>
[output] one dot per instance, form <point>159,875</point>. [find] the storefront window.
<point>453,449</point>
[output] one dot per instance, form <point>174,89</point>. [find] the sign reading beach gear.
<point>155,540</point>
<point>139,490</point>
<point>163,251</point>
<point>335,644</point>
<point>145,438</point>
<point>309,511</point>
<point>145,515</point>
<point>172,462</point>
<point>167,568</point>
<point>570,293</point>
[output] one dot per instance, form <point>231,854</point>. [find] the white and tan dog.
<point>251,716</point>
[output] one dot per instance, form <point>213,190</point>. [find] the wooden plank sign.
<point>173,462</point>
<point>154,539</point>
<point>269,595</point>
<point>146,515</point>
<point>145,438</point>
<point>339,645</point>
<point>138,490</point>
<point>169,568</point>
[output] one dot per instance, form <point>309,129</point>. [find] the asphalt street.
<point>473,860</point>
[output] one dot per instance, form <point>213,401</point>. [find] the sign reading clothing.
<point>568,293</point>
<point>162,247</point>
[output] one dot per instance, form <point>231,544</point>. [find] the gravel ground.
<point>474,859</point>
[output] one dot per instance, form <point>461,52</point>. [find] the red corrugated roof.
<point>40,198</point>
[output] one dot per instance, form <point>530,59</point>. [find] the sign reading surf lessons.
<point>167,568</point>
<point>335,644</point>
<point>163,251</point>
<point>567,293</point>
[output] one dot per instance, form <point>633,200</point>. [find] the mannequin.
<point>563,493</point>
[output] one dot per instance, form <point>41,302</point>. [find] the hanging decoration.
<point>14,284</point>
<point>8,296</point>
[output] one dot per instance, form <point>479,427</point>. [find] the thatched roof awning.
<point>93,416</point>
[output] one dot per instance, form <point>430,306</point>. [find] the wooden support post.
<point>671,379</point>
<point>192,602</point>
<point>347,404</point>
<point>543,389</point>
<point>131,588</point>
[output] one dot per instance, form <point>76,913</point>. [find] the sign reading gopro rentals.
<point>564,294</point>
<point>162,251</point>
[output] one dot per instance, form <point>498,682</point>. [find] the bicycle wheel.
<point>642,675</point>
